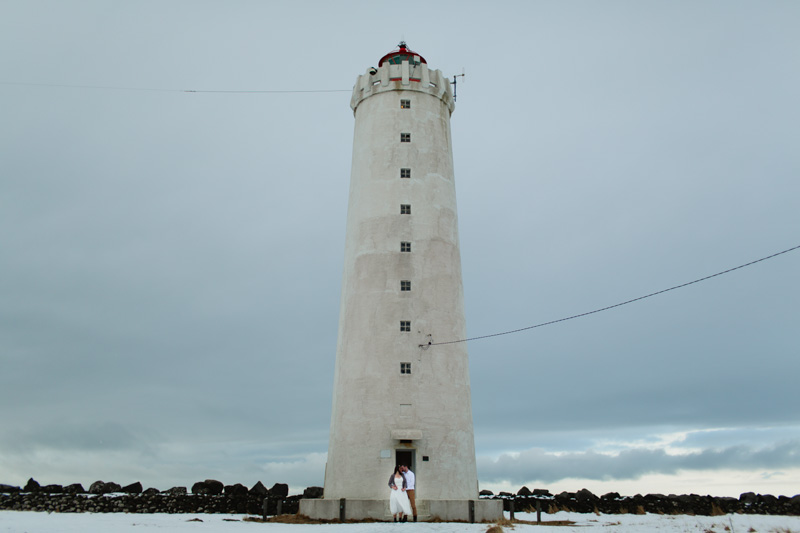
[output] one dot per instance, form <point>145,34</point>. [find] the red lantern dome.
<point>403,53</point>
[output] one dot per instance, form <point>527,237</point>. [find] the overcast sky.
<point>170,261</point>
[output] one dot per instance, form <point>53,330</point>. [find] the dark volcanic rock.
<point>133,488</point>
<point>31,486</point>
<point>486,492</point>
<point>235,490</point>
<point>748,498</point>
<point>176,491</point>
<point>52,489</point>
<point>259,490</point>
<point>769,499</point>
<point>541,492</point>
<point>312,493</point>
<point>75,488</point>
<point>585,495</point>
<point>212,487</point>
<point>151,491</point>
<point>524,491</point>
<point>97,487</point>
<point>279,489</point>
<point>9,489</point>
<point>101,487</point>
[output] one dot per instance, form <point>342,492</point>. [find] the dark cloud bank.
<point>536,464</point>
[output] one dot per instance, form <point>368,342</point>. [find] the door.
<point>405,457</point>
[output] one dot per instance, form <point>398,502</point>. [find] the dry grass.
<point>551,509</point>
<point>302,519</point>
<point>639,510</point>
<point>545,522</point>
<point>497,527</point>
<point>716,510</point>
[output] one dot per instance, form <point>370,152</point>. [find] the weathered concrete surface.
<point>448,510</point>
<point>377,411</point>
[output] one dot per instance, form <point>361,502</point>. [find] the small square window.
<point>405,104</point>
<point>405,209</point>
<point>405,137</point>
<point>405,285</point>
<point>405,172</point>
<point>405,325</point>
<point>405,368</point>
<point>405,246</point>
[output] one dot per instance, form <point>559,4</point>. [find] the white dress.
<point>398,499</point>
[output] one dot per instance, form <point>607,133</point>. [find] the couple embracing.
<point>401,500</point>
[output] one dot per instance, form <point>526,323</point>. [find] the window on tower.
<point>405,285</point>
<point>405,325</point>
<point>405,246</point>
<point>405,172</point>
<point>405,209</point>
<point>405,104</point>
<point>405,368</point>
<point>405,137</point>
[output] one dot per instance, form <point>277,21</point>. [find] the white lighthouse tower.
<point>396,399</point>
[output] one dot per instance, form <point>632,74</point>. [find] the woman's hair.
<point>397,470</point>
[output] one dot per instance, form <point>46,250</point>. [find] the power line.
<point>615,305</point>
<point>150,89</point>
<point>274,92</point>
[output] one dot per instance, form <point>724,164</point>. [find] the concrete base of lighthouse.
<point>446,510</point>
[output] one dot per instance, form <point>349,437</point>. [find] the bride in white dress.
<point>398,499</point>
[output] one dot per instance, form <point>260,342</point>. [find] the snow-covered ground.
<point>30,522</point>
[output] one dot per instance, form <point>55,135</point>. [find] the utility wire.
<point>615,305</point>
<point>150,89</point>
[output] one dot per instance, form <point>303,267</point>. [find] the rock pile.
<point>584,501</point>
<point>209,496</point>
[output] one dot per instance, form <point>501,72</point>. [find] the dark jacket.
<point>391,480</point>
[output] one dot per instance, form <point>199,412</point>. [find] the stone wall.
<point>212,496</point>
<point>584,501</point>
<point>207,496</point>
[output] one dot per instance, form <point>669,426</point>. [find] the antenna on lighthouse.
<point>455,81</point>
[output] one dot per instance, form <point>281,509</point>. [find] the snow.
<point>32,522</point>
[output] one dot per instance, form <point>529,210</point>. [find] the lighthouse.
<point>398,397</point>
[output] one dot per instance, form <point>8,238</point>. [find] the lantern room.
<point>403,53</point>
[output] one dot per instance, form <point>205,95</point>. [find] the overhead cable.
<point>151,89</point>
<point>615,305</point>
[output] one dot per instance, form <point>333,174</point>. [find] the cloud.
<point>171,262</point>
<point>303,471</point>
<point>537,464</point>
<point>90,437</point>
